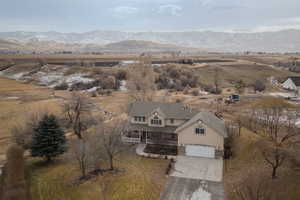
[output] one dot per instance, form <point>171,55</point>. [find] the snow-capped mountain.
<point>281,41</point>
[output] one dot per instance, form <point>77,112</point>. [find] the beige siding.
<point>177,122</point>
<point>211,138</point>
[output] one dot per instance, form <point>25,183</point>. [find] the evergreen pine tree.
<point>49,139</point>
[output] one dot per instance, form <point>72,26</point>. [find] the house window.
<point>200,131</point>
<point>139,119</point>
<point>172,121</point>
<point>156,121</point>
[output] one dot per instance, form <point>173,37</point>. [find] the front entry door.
<point>143,138</point>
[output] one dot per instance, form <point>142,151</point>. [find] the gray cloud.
<point>124,11</point>
<point>156,15</point>
<point>170,9</point>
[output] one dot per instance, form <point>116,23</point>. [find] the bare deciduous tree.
<point>77,110</point>
<point>254,185</point>
<point>276,122</point>
<point>23,131</point>
<point>110,138</point>
<point>15,184</point>
<point>141,81</point>
<point>217,80</point>
<point>88,154</point>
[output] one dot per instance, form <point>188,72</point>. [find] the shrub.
<point>62,86</point>
<point>259,86</point>
<point>121,75</point>
<point>94,94</point>
<point>195,92</point>
<point>109,82</point>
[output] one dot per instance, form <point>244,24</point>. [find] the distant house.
<point>292,83</point>
<point>195,133</point>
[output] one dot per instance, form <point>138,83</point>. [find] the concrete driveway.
<point>192,189</point>
<point>198,168</point>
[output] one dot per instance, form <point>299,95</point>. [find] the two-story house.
<point>195,133</point>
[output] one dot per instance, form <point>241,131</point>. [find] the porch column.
<point>146,137</point>
<point>140,134</point>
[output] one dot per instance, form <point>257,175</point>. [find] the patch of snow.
<point>203,92</point>
<point>281,94</point>
<point>200,194</point>
<point>123,84</point>
<point>17,76</point>
<point>49,79</point>
<point>156,65</point>
<point>76,78</point>
<point>297,123</point>
<point>93,89</point>
<point>127,62</point>
<point>53,79</point>
<point>12,98</point>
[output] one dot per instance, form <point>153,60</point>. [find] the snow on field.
<point>203,92</point>
<point>93,89</point>
<point>17,76</point>
<point>76,78</point>
<point>52,79</point>
<point>48,78</point>
<point>281,94</point>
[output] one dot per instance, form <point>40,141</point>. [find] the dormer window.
<point>200,131</point>
<point>156,121</point>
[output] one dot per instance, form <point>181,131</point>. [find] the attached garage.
<point>200,151</point>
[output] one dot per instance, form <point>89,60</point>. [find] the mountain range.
<point>281,41</point>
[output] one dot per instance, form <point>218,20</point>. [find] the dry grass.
<point>248,73</point>
<point>142,178</point>
<point>247,156</point>
<point>138,179</point>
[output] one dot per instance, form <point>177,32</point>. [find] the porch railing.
<point>131,139</point>
<point>162,142</point>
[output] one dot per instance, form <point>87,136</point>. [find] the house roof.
<point>142,127</point>
<point>170,110</point>
<point>295,79</point>
<point>208,119</point>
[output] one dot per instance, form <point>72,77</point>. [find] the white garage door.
<point>200,151</point>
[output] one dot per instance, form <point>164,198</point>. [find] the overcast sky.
<point>148,15</point>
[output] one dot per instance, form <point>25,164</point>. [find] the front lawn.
<point>137,178</point>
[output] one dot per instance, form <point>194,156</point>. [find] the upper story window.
<point>156,121</point>
<point>139,119</point>
<point>200,131</point>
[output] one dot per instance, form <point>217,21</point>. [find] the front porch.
<point>148,137</point>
